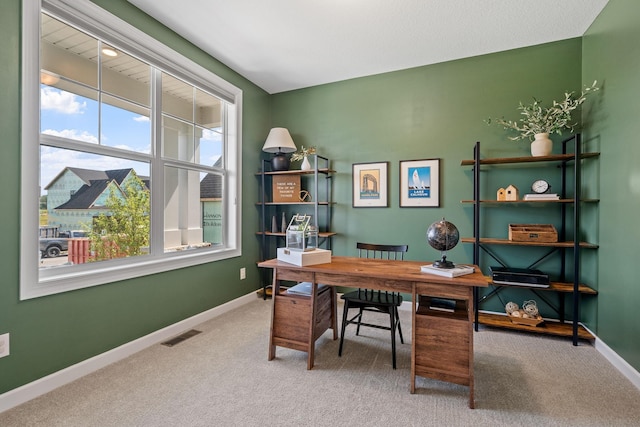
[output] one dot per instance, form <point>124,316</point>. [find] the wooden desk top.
<point>406,271</point>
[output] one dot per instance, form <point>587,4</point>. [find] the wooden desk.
<point>387,275</point>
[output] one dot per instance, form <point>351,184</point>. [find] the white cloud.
<point>141,119</point>
<point>210,135</point>
<point>73,134</point>
<point>60,101</point>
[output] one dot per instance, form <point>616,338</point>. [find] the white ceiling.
<point>282,45</point>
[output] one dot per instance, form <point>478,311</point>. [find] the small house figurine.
<point>511,193</point>
<point>501,196</point>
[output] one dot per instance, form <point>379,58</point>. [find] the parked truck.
<point>57,242</point>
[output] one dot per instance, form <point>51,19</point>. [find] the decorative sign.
<point>286,188</point>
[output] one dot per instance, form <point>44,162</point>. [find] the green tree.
<point>124,230</point>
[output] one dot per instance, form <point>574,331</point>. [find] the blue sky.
<point>72,116</point>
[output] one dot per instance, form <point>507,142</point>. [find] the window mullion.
<point>157,165</point>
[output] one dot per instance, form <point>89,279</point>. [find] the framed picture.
<point>420,183</point>
<point>370,185</point>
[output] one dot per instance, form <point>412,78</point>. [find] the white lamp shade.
<point>279,141</point>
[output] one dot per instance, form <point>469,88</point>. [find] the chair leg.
<point>392,316</point>
<point>359,320</point>
<point>344,325</point>
<point>398,322</point>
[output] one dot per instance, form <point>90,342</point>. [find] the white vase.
<point>305,166</point>
<point>541,145</point>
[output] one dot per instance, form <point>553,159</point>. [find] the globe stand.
<point>443,263</point>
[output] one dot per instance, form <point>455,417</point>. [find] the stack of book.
<point>544,196</point>
<point>458,270</point>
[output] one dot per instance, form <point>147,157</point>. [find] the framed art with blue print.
<point>420,183</point>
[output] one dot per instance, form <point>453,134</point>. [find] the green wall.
<point>436,111</point>
<point>54,332</point>
<point>611,52</point>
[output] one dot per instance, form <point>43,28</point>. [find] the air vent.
<point>181,337</point>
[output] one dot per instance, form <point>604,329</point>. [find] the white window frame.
<point>108,27</point>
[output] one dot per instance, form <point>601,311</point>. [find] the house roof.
<point>211,185</point>
<point>96,183</point>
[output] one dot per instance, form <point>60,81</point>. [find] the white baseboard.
<point>618,362</point>
<point>46,384</point>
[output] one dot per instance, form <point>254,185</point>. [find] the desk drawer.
<point>293,316</point>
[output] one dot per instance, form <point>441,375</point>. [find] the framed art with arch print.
<point>370,185</point>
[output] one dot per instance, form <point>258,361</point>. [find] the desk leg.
<point>312,325</point>
<point>413,340</point>
<point>471,316</point>
<point>334,312</point>
<point>275,289</point>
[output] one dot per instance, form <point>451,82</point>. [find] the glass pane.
<point>177,98</point>
<point>208,110</point>
<point>192,209</point>
<point>104,198</point>
<point>68,53</point>
<point>125,125</point>
<point>68,114</point>
<point>177,140</point>
<point>209,147</point>
<point>125,76</point>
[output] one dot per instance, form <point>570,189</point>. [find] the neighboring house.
<point>212,212</point>
<point>75,196</point>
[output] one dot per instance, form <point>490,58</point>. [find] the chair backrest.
<point>371,250</point>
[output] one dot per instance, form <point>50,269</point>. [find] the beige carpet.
<point>221,377</point>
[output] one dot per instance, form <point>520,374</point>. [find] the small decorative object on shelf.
<point>537,123</point>
<point>511,193</point>
<point>283,223</point>
<point>302,155</point>
<point>540,186</point>
<point>305,196</point>
<point>301,236</point>
<point>274,225</point>
<point>546,233</point>
<point>527,315</point>
<point>443,236</point>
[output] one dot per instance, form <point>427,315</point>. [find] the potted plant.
<point>302,155</point>
<point>537,122</point>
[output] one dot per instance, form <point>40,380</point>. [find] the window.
<point>125,142</point>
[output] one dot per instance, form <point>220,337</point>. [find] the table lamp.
<point>279,141</point>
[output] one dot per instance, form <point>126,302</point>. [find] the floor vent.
<point>180,338</point>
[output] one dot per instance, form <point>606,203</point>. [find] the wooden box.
<point>286,188</point>
<point>525,320</point>
<point>545,233</point>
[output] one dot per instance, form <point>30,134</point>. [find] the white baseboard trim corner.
<point>46,384</point>
<point>618,362</point>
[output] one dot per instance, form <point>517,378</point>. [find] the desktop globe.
<point>443,236</point>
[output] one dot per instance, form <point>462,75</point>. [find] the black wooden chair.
<point>375,300</point>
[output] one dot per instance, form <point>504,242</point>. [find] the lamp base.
<point>280,162</point>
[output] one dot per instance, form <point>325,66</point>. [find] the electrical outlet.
<point>243,273</point>
<point>4,345</point>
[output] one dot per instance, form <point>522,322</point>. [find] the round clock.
<point>540,186</point>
